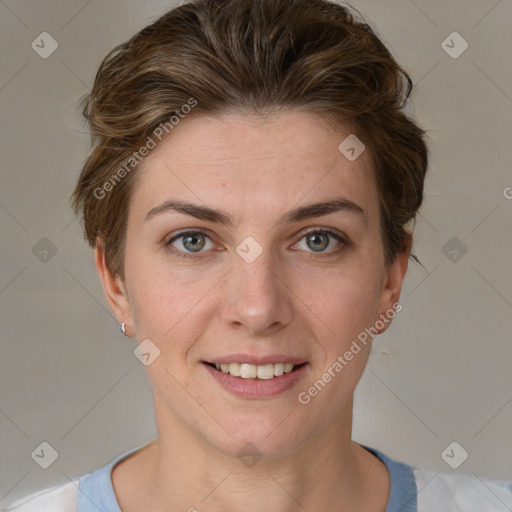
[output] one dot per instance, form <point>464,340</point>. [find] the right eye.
<point>188,243</point>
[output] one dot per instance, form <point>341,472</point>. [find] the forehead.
<point>237,162</point>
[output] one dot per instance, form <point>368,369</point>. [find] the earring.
<point>123,329</point>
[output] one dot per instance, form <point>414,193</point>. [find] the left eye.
<point>319,240</point>
<point>193,241</point>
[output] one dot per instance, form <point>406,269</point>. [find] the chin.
<point>264,436</point>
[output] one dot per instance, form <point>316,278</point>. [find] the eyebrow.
<point>206,213</point>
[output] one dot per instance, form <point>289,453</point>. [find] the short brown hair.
<point>250,56</point>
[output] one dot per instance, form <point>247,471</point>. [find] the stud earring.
<point>123,329</point>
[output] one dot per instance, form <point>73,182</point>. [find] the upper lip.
<point>256,360</point>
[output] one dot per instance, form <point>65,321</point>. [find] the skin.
<point>291,300</point>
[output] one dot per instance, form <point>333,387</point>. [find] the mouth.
<point>255,371</point>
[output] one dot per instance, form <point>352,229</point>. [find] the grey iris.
<point>317,243</point>
<point>190,242</point>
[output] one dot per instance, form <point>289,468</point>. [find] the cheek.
<point>346,302</point>
<point>165,303</point>
<point>347,305</point>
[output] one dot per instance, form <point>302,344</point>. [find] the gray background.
<point>441,373</point>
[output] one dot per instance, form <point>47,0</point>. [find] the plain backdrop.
<point>441,373</point>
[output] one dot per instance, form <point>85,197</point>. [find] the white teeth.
<point>288,367</point>
<point>266,371</point>
<point>235,369</point>
<point>248,371</point>
<point>278,369</point>
<point>252,371</point>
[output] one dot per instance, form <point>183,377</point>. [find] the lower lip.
<point>257,388</point>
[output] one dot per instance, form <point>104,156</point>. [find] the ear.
<point>392,286</point>
<point>114,288</point>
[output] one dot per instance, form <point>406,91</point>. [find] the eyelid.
<point>331,231</point>
<point>184,232</point>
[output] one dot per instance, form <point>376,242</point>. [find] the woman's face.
<point>250,286</point>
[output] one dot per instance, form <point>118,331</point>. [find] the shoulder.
<point>66,497</point>
<point>461,492</point>
<point>61,498</point>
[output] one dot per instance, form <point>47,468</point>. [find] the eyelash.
<point>314,231</point>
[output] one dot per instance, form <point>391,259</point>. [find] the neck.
<point>330,471</point>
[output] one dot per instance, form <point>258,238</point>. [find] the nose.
<point>257,297</point>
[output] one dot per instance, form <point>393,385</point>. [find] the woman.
<point>248,197</point>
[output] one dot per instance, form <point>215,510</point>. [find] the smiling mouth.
<point>255,372</point>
